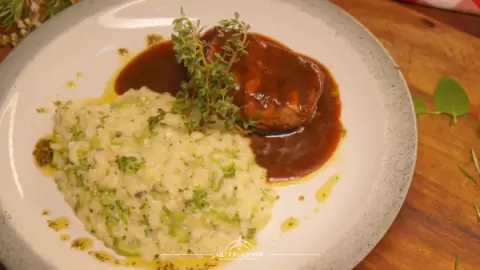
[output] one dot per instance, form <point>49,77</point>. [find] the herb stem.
<point>241,130</point>
<point>204,60</point>
<point>454,120</point>
<point>477,211</point>
<point>468,175</point>
<point>475,161</point>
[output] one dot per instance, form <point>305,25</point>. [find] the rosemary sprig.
<point>477,211</point>
<point>210,78</point>
<point>468,175</point>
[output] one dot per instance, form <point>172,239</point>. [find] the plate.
<point>375,161</point>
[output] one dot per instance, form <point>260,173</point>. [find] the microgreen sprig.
<point>449,98</point>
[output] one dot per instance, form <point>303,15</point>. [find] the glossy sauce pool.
<point>285,157</point>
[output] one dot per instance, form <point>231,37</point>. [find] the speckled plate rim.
<point>398,161</point>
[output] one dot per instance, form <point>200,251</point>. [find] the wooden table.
<point>438,221</point>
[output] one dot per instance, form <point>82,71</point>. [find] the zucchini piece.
<point>182,234</point>
<point>116,142</point>
<point>56,159</point>
<point>127,101</point>
<point>178,217</point>
<point>127,249</point>
<point>268,195</point>
<point>199,200</point>
<point>229,170</point>
<point>110,223</point>
<point>215,182</point>
<point>107,213</point>
<point>80,202</point>
<point>173,218</point>
<point>140,139</point>
<point>54,137</point>
<point>159,196</point>
<point>76,131</point>
<point>81,153</point>
<point>215,215</point>
<point>106,199</point>
<point>95,142</point>
<point>236,219</point>
<point>228,201</point>
<point>72,178</point>
<point>250,233</point>
<point>78,205</point>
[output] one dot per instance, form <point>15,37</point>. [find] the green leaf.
<point>456,262</point>
<point>450,98</point>
<point>419,105</point>
<point>468,175</point>
<point>475,161</point>
<point>477,211</point>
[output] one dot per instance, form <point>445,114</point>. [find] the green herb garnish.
<point>475,161</point>
<point>250,233</point>
<point>210,77</point>
<point>450,98</point>
<point>419,105</point>
<point>468,175</point>
<point>128,164</point>
<point>199,199</point>
<point>477,211</point>
<point>154,121</point>
<point>456,262</point>
<point>229,170</point>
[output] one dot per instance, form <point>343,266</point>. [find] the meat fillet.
<point>279,88</point>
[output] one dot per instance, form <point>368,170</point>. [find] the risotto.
<point>145,186</point>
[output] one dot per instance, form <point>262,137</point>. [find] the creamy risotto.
<point>146,187</point>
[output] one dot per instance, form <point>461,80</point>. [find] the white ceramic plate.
<point>375,160</point>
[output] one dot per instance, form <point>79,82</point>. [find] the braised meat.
<point>279,88</point>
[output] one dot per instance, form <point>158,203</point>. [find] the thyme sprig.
<point>10,11</point>
<point>210,77</point>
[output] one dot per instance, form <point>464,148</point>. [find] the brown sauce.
<point>285,157</point>
<point>156,68</point>
<point>303,152</point>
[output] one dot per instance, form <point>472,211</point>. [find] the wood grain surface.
<point>437,221</point>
